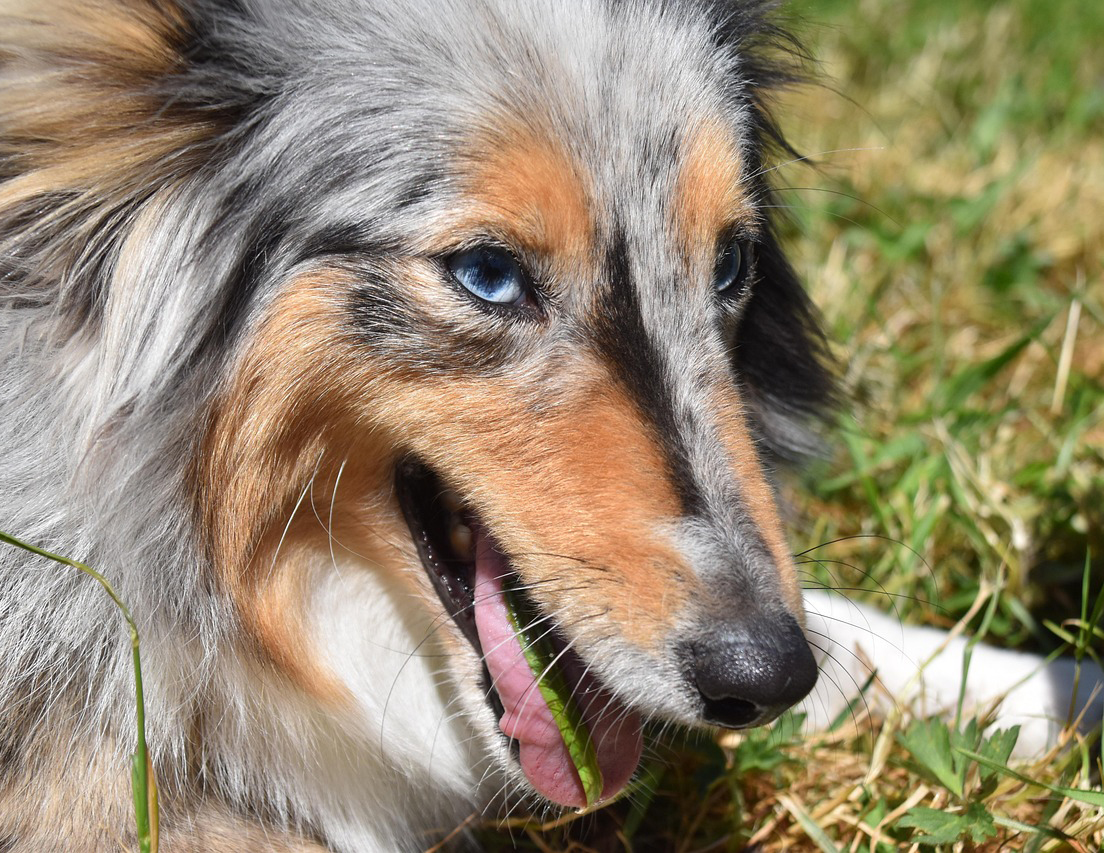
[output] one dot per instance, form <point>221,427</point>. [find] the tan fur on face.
<point>709,195</point>
<point>524,186</point>
<point>756,492</point>
<point>710,198</point>
<point>266,442</point>
<point>577,492</point>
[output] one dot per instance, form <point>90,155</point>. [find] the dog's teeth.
<point>451,501</point>
<point>461,538</point>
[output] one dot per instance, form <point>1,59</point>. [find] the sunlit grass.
<point>955,242</point>
<point>962,282</point>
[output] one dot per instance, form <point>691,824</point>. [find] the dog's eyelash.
<point>495,279</point>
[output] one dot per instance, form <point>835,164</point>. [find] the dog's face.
<point>500,296</point>
<point>532,378</point>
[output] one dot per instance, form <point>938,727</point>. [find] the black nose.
<point>749,673</point>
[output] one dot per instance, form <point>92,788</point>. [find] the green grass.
<point>143,780</point>
<point>966,238</point>
<point>955,244</point>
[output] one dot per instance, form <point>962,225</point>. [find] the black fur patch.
<point>638,365</point>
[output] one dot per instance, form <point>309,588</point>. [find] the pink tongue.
<point>545,761</point>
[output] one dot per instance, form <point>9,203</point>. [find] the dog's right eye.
<point>490,273</point>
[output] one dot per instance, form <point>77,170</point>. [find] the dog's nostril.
<point>749,674</point>
<point>731,713</point>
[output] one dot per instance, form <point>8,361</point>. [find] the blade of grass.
<point>1018,826</point>
<point>642,795</point>
<point>1089,798</point>
<point>541,657</point>
<point>971,643</point>
<point>143,782</point>
<point>812,829</point>
<point>971,379</point>
<point>849,710</point>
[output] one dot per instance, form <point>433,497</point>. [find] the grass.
<point>143,780</point>
<point>955,242</point>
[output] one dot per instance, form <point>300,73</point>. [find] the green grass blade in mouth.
<point>540,655</point>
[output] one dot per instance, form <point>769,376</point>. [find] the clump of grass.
<point>963,275</point>
<point>143,781</point>
<point>955,246</point>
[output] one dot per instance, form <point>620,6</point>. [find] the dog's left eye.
<point>490,273</point>
<point>730,275</point>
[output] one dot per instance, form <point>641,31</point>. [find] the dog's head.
<point>456,296</point>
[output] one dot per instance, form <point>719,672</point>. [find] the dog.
<point>330,329</point>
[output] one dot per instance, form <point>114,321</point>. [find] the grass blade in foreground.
<point>143,782</point>
<point>540,654</point>
<point>1089,798</point>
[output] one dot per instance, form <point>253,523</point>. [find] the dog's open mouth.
<point>469,572</point>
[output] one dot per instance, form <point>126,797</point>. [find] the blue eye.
<point>490,273</point>
<point>731,272</point>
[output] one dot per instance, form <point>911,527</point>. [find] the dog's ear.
<point>781,354</point>
<point>102,108</point>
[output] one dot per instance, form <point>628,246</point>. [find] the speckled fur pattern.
<point>225,320</point>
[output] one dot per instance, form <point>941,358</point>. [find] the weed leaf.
<point>812,829</point>
<point>929,741</point>
<point>943,827</point>
<point>997,748</point>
